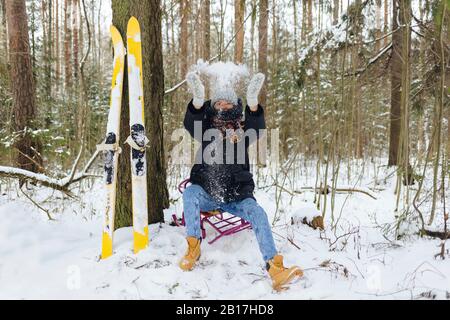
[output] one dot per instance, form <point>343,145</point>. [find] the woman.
<point>221,177</point>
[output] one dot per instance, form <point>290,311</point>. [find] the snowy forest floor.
<point>59,259</point>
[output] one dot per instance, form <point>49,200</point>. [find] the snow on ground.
<point>60,259</point>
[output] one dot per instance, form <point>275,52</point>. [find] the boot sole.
<point>285,285</point>
<point>193,266</point>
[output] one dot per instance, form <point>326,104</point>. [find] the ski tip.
<point>115,35</point>
<point>133,27</point>
<point>133,20</point>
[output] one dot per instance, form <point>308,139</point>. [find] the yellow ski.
<point>137,139</point>
<point>110,146</point>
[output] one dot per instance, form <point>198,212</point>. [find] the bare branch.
<point>380,54</point>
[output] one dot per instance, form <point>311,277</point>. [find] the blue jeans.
<point>196,199</point>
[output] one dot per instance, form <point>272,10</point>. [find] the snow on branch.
<point>332,37</point>
<point>49,182</point>
<point>371,61</point>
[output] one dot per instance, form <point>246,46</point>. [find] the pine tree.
<point>184,14</point>
<point>67,44</point>
<point>23,88</point>
<point>263,34</point>
<point>239,12</point>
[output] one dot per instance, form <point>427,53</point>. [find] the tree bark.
<point>335,12</point>
<point>184,11</point>
<point>57,44</point>
<point>378,25</point>
<point>148,13</point>
<point>396,84</point>
<point>46,13</point>
<point>4,31</point>
<point>239,12</point>
<point>75,35</point>
<point>310,15</point>
<point>206,24</point>
<point>252,36</point>
<point>67,44</point>
<point>304,24</point>
<point>23,89</point>
<point>294,9</point>
<point>386,21</point>
<point>49,58</point>
<point>262,36</point>
<point>33,38</point>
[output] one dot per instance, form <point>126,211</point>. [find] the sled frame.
<point>224,226</point>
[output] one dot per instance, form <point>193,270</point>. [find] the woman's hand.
<point>253,90</point>
<point>197,89</point>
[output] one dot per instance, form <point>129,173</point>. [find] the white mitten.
<point>254,88</point>
<point>197,89</point>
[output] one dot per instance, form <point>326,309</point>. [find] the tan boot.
<point>281,275</point>
<point>192,255</point>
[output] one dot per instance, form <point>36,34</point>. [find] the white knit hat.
<point>224,78</point>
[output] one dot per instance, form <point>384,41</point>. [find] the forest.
<point>357,109</point>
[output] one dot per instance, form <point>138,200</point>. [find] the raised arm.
<point>254,112</point>
<point>196,107</point>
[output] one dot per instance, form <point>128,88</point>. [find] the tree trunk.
<point>239,12</point>
<point>304,25</point>
<point>75,35</point>
<point>46,12</point>
<point>378,25</point>
<point>67,44</point>
<point>396,84</point>
<point>99,41</point>
<point>4,31</point>
<point>184,11</point>
<point>81,32</point>
<point>294,9</point>
<point>405,20</point>
<point>335,12</point>
<point>22,83</point>
<point>358,118</point>
<point>252,36</point>
<point>206,24</point>
<point>57,43</point>
<point>148,13</point>
<point>310,15</point>
<point>386,21</point>
<point>263,33</point>
<point>33,38</point>
<point>206,27</point>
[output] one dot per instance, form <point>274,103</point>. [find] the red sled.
<point>224,223</point>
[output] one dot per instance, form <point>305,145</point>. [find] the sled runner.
<point>224,223</point>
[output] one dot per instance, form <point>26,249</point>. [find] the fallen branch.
<point>436,234</point>
<point>62,184</point>
<point>37,205</point>
<point>329,189</point>
<point>288,239</point>
<point>351,232</point>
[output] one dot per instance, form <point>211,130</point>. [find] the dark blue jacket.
<point>225,182</point>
